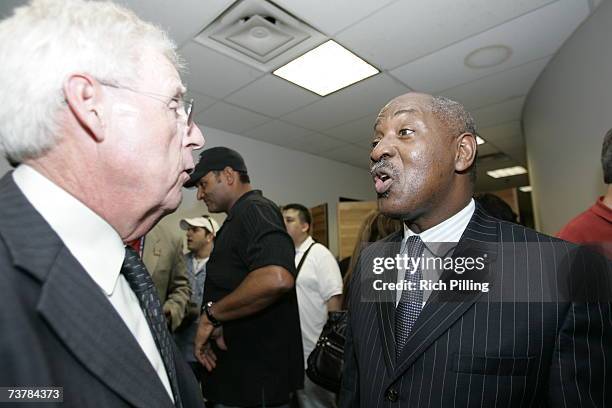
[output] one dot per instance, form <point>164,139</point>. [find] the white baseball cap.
<point>204,221</point>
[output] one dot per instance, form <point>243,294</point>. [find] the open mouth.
<point>382,181</point>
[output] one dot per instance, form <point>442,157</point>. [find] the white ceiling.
<point>418,45</point>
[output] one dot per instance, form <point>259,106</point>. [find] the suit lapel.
<point>74,307</point>
<point>385,304</point>
<point>444,309</point>
<point>89,326</point>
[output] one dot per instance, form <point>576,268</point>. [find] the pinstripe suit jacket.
<point>59,329</point>
<point>482,350</point>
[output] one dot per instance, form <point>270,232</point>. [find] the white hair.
<point>46,41</point>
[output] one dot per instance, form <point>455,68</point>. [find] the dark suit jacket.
<point>58,328</point>
<point>504,348</point>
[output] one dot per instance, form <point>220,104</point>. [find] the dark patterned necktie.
<point>141,283</point>
<point>411,302</point>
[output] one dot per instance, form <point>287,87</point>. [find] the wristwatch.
<point>210,316</point>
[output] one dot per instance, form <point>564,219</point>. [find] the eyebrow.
<point>403,111</point>
<point>180,90</point>
<point>396,113</point>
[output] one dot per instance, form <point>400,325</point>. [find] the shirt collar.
<point>449,230</point>
<point>602,210</point>
<point>304,245</point>
<point>231,211</point>
<point>90,239</point>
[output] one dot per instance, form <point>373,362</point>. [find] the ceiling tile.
<point>349,154</point>
<point>505,131</point>
<point>508,138</point>
<point>293,137</point>
<point>486,149</point>
<point>346,12</point>
<point>317,143</point>
<point>272,96</point>
<point>183,22</point>
<point>357,131</point>
<point>407,30</point>
<point>499,112</point>
<point>498,87</point>
<point>276,130</point>
<point>201,102</point>
<point>230,118</point>
<point>518,154</point>
<point>531,36</point>
<point>356,101</point>
<point>214,74</point>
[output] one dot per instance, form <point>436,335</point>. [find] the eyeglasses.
<point>184,107</point>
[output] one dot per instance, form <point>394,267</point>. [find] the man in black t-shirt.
<point>249,334</point>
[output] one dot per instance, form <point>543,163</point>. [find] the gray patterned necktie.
<point>411,302</point>
<point>141,283</point>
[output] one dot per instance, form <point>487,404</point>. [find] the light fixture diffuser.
<point>480,140</point>
<point>507,172</point>
<point>525,189</point>
<point>326,68</point>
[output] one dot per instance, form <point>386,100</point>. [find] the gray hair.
<point>453,115</point>
<point>457,119</point>
<point>43,43</point>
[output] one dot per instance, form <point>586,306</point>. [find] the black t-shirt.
<point>264,359</point>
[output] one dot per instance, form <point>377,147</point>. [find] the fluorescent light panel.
<point>326,69</point>
<point>525,189</point>
<point>480,140</point>
<point>507,172</point>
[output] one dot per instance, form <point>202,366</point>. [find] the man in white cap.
<point>200,237</point>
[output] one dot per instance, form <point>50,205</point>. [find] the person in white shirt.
<point>95,120</point>
<point>319,291</point>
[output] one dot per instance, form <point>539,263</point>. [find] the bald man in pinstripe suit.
<point>529,340</point>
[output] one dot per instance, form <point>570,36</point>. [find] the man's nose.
<point>382,149</point>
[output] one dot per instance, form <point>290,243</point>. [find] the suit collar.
<point>85,233</point>
<point>73,305</point>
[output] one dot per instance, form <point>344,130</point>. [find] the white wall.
<point>285,176</point>
<point>565,117</point>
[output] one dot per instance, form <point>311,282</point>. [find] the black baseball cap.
<point>216,158</point>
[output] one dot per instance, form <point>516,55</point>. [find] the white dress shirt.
<point>99,250</point>
<point>448,231</point>
<point>318,280</point>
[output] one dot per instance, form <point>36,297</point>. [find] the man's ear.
<point>84,98</point>
<point>305,227</point>
<point>466,152</point>
<point>229,174</point>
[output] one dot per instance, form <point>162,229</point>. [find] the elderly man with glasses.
<point>103,147</point>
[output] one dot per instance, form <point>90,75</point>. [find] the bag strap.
<point>303,259</point>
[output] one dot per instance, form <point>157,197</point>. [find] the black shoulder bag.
<point>325,361</point>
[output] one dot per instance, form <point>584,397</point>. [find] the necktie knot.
<point>136,273</point>
<point>414,246</point>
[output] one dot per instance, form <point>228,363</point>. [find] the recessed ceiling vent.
<point>260,34</point>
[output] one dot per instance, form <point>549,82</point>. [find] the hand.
<point>168,315</point>
<point>203,347</point>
